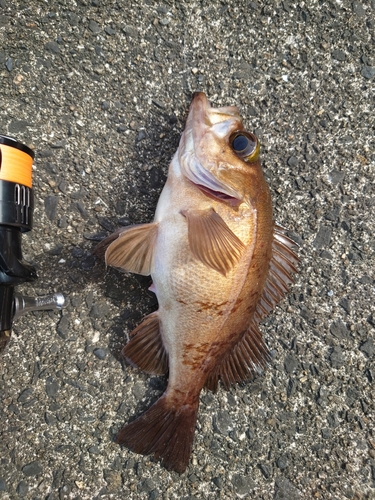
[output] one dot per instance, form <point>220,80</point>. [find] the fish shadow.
<point>143,302</point>
<point>73,270</point>
<point>154,389</point>
<point>136,202</point>
<point>132,201</point>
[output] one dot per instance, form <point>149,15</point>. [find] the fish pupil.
<point>240,143</point>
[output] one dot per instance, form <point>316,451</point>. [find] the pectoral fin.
<point>101,248</point>
<point>133,249</point>
<point>212,241</point>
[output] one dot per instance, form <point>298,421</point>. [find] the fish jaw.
<point>207,159</point>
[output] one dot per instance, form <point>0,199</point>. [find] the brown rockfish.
<point>219,264</point>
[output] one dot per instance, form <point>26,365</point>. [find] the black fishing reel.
<point>16,218</point>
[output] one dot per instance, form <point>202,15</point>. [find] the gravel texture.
<point>101,90</point>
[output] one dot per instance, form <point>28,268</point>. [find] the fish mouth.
<point>218,195</point>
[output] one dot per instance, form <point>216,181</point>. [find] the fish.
<point>219,264</point>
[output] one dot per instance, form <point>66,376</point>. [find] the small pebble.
<point>94,27</point>
<point>22,488</point>
<point>368,347</point>
<point>50,206</point>
<point>100,353</point>
<point>32,469</point>
<point>368,72</point>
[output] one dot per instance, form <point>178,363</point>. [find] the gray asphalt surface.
<point>101,90</point>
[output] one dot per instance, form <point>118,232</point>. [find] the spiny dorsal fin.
<point>133,249</point>
<point>250,355</point>
<point>283,263</point>
<point>212,241</point>
<point>145,348</point>
<point>248,358</point>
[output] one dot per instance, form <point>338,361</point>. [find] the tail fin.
<point>165,430</point>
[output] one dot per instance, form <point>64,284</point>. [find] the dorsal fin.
<point>283,263</point>
<point>250,355</point>
<point>145,348</point>
<point>248,358</point>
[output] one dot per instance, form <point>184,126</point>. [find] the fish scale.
<point>219,264</point>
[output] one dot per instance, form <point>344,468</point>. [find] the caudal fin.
<point>166,430</point>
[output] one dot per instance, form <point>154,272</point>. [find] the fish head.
<point>218,155</point>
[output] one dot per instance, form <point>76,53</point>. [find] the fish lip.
<point>198,109</point>
<point>201,104</point>
<point>203,117</point>
<point>199,95</point>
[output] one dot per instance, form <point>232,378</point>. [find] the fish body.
<point>219,264</point>
<point>204,312</point>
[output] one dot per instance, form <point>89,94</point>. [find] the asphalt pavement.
<point>100,90</point>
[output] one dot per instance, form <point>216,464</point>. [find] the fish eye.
<point>245,145</point>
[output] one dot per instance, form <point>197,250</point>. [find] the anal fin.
<point>211,240</point>
<point>145,348</point>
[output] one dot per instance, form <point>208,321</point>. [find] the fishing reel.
<point>16,218</point>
